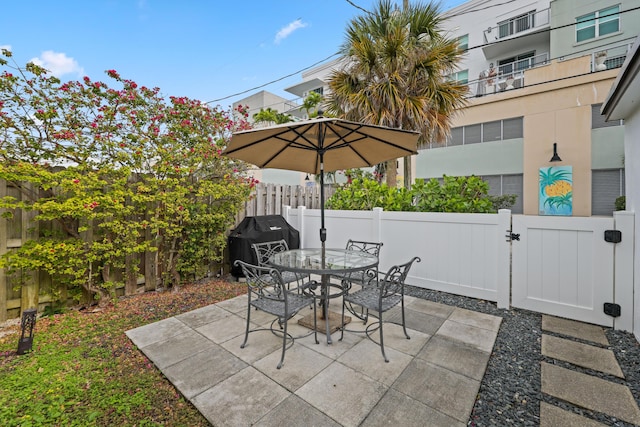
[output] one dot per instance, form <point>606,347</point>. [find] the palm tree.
<point>311,103</point>
<point>395,74</point>
<point>269,115</point>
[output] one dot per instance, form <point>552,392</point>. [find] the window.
<point>598,120</point>
<point>606,187</point>
<point>512,128</point>
<point>598,24</point>
<point>461,77</point>
<point>472,134</point>
<point>319,90</point>
<point>517,24</point>
<point>500,185</point>
<point>516,63</point>
<point>498,130</point>
<point>492,131</point>
<point>463,42</point>
<point>457,136</point>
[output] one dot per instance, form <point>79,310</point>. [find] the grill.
<point>258,229</point>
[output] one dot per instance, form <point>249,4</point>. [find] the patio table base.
<point>335,321</point>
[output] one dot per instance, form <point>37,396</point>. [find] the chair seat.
<point>369,297</point>
<point>296,302</point>
<point>290,276</point>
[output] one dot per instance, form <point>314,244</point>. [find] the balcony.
<point>509,76</point>
<point>517,33</point>
<point>612,57</point>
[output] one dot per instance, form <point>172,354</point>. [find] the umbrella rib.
<point>340,143</point>
<point>276,136</point>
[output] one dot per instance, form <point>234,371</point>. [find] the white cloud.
<point>288,29</point>
<point>58,63</point>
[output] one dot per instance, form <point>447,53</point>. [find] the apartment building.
<point>537,72</point>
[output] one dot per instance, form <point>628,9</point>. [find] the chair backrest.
<point>372,248</point>
<point>393,282</point>
<point>264,282</point>
<point>266,250</point>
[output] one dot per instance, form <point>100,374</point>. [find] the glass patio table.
<point>331,262</point>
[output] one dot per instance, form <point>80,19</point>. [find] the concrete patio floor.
<point>431,379</point>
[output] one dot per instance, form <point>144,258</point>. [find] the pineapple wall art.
<point>556,190</point>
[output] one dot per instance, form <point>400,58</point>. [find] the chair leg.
<point>404,325</point>
<point>342,321</point>
<point>284,344</point>
<point>315,323</point>
<point>246,331</point>
<point>382,340</point>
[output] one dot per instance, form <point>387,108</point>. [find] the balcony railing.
<point>509,76</point>
<point>516,25</point>
<point>607,59</point>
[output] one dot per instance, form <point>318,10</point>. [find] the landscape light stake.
<point>26,334</point>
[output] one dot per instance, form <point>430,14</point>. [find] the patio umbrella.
<point>321,145</point>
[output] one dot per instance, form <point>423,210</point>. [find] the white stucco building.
<point>553,64</point>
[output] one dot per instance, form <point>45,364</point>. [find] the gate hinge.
<point>512,236</point>
<point>613,236</point>
<point>612,309</point>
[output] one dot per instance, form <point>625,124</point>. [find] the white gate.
<point>563,266</point>
<point>560,265</point>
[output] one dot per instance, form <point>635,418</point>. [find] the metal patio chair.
<point>266,250</point>
<point>361,278</point>
<point>267,292</point>
<point>380,296</point>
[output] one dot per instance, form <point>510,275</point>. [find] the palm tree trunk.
<point>408,179</point>
<point>392,173</point>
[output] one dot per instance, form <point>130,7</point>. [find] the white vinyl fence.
<point>464,254</point>
<point>561,266</point>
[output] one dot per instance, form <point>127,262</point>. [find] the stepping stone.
<point>587,356</point>
<point>590,392</point>
<point>552,416</point>
<point>583,331</point>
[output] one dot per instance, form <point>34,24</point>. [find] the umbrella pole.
<point>323,237</point>
<point>323,231</point>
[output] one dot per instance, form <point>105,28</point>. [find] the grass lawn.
<point>84,371</point>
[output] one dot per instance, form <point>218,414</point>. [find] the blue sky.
<point>202,49</point>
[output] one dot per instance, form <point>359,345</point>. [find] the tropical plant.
<point>311,104</point>
<point>269,115</point>
<point>453,194</point>
<point>366,194</point>
<point>504,201</point>
<point>621,203</point>
<point>394,74</point>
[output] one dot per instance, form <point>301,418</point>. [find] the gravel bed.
<point>510,392</point>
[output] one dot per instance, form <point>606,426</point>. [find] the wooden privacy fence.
<point>267,199</point>
<point>270,199</point>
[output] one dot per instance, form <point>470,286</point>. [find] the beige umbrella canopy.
<point>321,145</point>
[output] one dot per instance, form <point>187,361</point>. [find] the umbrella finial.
<point>320,114</point>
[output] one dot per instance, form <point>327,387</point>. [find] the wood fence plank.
<point>31,287</point>
<point>4,237</point>
<point>278,207</point>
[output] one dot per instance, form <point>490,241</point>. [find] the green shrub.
<point>621,203</point>
<point>454,194</point>
<point>506,201</point>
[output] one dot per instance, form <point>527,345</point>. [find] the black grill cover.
<point>258,229</point>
